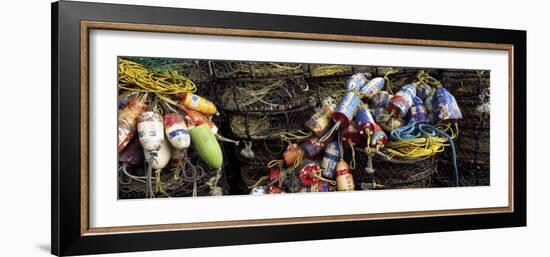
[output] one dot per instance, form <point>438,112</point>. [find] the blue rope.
<point>406,132</point>
<point>433,131</point>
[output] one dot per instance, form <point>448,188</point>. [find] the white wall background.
<point>25,127</point>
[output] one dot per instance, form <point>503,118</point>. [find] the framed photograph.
<point>179,128</point>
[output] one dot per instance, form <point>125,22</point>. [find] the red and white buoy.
<point>176,130</point>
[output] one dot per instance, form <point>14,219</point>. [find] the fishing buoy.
<point>321,121</point>
<point>380,114</point>
<point>320,186</point>
<point>127,121</point>
<point>160,158</point>
<point>380,99</point>
<point>445,107</point>
<point>198,119</point>
<point>197,103</point>
<point>356,82</point>
<point>401,102</point>
<point>330,159</point>
<point>274,174</point>
<point>392,123</point>
<point>151,136</point>
<point>379,138</point>
<point>150,130</point>
<point>372,87</point>
<point>176,130</point>
<point>424,91</point>
<point>206,145</point>
<point>418,111</point>
<point>293,152</point>
<point>344,177</point>
<point>313,146</point>
<point>428,103</point>
<point>346,109</point>
<point>124,98</point>
<point>344,113</point>
<point>308,172</point>
<point>132,154</point>
<point>350,134</point>
<point>365,121</point>
<point>274,177</point>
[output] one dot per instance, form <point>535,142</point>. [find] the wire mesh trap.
<point>328,70</point>
<point>178,179</point>
<point>240,69</point>
<point>269,126</point>
<point>262,95</point>
<point>395,173</point>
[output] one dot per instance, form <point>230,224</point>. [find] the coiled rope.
<point>136,77</point>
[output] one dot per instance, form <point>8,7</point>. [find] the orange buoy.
<point>197,103</point>
<point>127,121</point>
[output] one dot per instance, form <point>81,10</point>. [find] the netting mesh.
<point>254,157</point>
<point>262,95</point>
<point>174,181</point>
<point>242,69</point>
<point>196,70</point>
<point>325,87</point>
<point>328,70</point>
<point>268,126</point>
<point>394,173</point>
<point>471,90</point>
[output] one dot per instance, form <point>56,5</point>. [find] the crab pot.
<point>328,86</point>
<point>262,95</point>
<point>327,70</point>
<point>240,69</point>
<point>473,160</point>
<point>392,174</point>
<point>268,125</point>
<point>131,188</point>
<point>468,88</point>
<point>252,168</point>
<point>465,84</point>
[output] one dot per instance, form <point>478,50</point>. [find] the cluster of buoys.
<point>362,116</point>
<point>166,130</point>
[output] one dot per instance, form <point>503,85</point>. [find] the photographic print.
<point>198,127</point>
<point>183,128</point>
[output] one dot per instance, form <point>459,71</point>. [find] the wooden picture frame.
<point>71,25</point>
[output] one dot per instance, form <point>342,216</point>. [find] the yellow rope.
<point>289,137</point>
<point>389,71</point>
<point>252,93</point>
<point>416,148</point>
<point>262,179</point>
<point>159,185</point>
<point>298,160</point>
<point>256,125</point>
<point>328,70</point>
<point>425,78</point>
<point>275,163</point>
<point>135,77</point>
<point>352,162</point>
<point>263,68</point>
<point>317,175</point>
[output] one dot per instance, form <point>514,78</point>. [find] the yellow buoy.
<point>197,103</point>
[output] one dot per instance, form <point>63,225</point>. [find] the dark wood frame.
<point>71,23</point>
